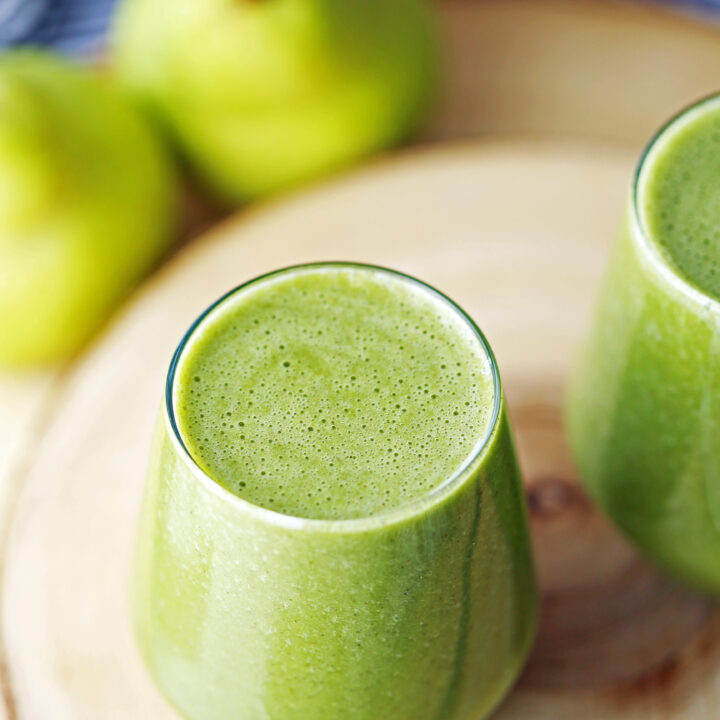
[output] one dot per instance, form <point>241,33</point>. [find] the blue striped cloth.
<point>696,4</point>
<point>78,27</point>
<point>703,9</point>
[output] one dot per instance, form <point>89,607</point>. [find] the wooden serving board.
<point>518,234</point>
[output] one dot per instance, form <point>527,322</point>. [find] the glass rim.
<point>665,268</point>
<point>385,518</point>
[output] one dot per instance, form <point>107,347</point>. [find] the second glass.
<point>644,403</point>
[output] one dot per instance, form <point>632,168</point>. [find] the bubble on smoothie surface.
<point>333,393</point>
<point>680,200</point>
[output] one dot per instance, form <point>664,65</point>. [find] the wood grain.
<point>517,233</point>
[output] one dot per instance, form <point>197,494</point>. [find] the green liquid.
<point>333,393</point>
<point>680,202</point>
<point>644,403</point>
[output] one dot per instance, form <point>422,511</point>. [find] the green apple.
<point>86,205</point>
<point>264,94</point>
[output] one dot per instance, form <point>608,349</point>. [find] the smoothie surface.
<point>333,392</point>
<point>679,198</point>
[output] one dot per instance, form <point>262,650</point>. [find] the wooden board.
<point>25,410</point>
<point>518,234</point>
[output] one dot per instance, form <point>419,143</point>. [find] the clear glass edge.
<point>292,522</point>
<point>667,272</point>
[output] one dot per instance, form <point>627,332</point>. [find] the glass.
<point>424,612</point>
<point>644,402</point>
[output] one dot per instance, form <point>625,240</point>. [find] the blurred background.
<point>79,27</point>
<point>236,105</point>
<point>153,154</point>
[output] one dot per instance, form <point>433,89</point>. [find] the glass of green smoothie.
<point>334,524</point>
<point>644,402</point>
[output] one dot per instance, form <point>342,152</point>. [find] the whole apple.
<point>264,94</point>
<point>86,205</point>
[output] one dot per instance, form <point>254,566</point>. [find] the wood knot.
<point>551,496</point>
<point>658,682</point>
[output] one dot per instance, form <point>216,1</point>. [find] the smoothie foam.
<point>679,198</point>
<point>333,393</point>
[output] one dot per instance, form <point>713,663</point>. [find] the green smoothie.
<point>334,524</point>
<point>644,405</point>
<point>679,199</point>
<point>318,394</point>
